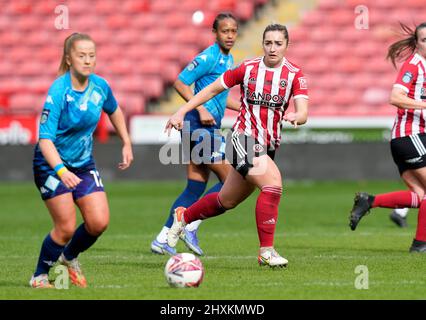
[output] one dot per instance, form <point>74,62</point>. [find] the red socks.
<point>397,199</point>
<point>421,222</point>
<point>207,207</point>
<point>267,214</point>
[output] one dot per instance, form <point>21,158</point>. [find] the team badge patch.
<point>192,65</point>
<point>407,77</point>
<point>258,148</point>
<point>283,83</point>
<point>95,98</point>
<point>44,116</point>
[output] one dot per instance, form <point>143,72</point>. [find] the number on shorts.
<point>97,178</point>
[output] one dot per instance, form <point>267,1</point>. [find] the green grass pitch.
<point>312,233</point>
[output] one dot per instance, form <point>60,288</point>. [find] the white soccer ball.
<point>184,270</point>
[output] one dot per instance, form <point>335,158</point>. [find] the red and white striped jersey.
<point>265,94</point>
<point>411,79</point>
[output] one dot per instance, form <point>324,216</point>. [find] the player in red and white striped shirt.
<point>267,84</point>
<point>408,144</point>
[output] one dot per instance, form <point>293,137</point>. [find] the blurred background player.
<point>408,144</point>
<point>268,83</point>
<point>204,122</point>
<point>64,168</point>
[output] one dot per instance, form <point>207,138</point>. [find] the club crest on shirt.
<point>407,77</point>
<point>283,83</point>
<point>44,116</point>
<point>258,148</point>
<point>83,107</point>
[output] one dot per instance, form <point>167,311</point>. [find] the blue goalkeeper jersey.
<point>203,70</point>
<point>70,117</point>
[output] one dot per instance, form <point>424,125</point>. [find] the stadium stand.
<point>142,45</point>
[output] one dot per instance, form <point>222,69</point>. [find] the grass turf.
<point>312,233</point>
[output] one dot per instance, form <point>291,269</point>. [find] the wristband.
<point>60,169</point>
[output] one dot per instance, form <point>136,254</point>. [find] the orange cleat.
<point>74,270</point>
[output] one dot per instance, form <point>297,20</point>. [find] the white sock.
<point>193,225</point>
<point>162,236</point>
<point>401,212</point>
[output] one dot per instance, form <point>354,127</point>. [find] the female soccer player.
<point>408,135</point>
<point>267,83</point>
<point>203,125</point>
<point>64,168</point>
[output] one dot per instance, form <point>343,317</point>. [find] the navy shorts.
<point>409,152</point>
<point>203,146</point>
<point>50,186</point>
<point>242,149</point>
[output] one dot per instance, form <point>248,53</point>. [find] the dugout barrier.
<point>307,161</point>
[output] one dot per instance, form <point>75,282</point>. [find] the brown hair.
<point>276,27</point>
<point>403,48</point>
<point>68,45</point>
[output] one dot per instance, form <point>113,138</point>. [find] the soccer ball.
<point>184,270</point>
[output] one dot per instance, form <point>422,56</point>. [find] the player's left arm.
<point>300,98</point>
<point>300,116</point>
<point>119,123</point>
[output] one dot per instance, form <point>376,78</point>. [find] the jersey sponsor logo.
<point>414,160</point>
<point>407,77</point>
<point>44,116</point>
<point>192,65</point>
<point>95,98</point>
<point>83,107</point>
<point>303,83</point>
<point>49,99</point>
<point>264,99</point>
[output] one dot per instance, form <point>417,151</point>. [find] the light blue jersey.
<point>70,117</point>
<point>203,70</point>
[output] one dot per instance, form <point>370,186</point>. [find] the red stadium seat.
<point>24,102</point>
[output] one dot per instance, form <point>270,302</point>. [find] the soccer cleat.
<point>177,227</point>
<point>191,241</point>
<point>398,219</point>
<point>162,248</point>
<point>362,205</point>
<point>418,246</point>
<point>74,270</point>
<point>270,257</point>
<point>41,282</point>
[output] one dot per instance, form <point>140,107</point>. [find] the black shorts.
<point>409,152</point>
<point>242,149</point>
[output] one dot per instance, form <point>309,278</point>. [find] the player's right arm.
<point>407,78</point>
<point>47,134</point>
<point>50,153</point>
<point>227,80</point>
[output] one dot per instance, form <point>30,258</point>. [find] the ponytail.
<point>68,45</point>
<point>403,48</point>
